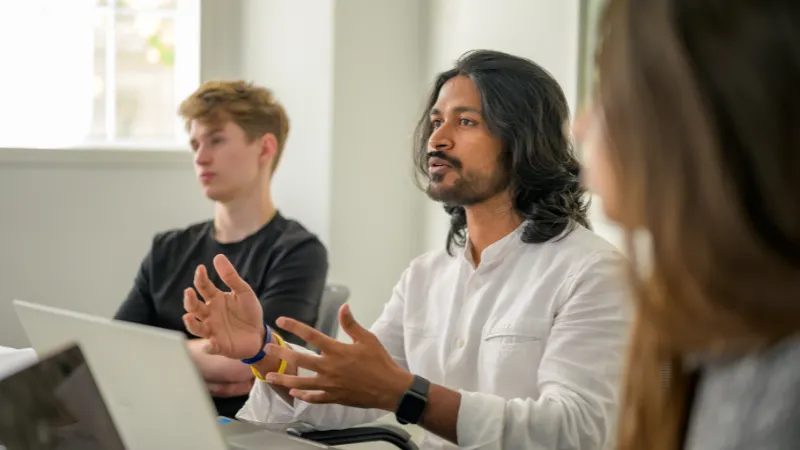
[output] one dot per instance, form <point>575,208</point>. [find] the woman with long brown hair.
<point>695,137</point>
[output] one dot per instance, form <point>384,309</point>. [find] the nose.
<point>202,156</point>
<point>441,139</point>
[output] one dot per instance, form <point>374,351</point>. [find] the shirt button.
<point>460,343</point>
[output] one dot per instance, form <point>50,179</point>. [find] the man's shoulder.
<point>579,244</point>
<point>583,240</point>
<point>577,248</point>
<point>435,258</point>
<point>290,234</point>
<point>432,264</point>
<point>181,236</point>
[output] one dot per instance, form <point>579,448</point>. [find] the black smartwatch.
<point>414,401</point>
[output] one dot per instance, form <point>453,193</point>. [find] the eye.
<point>436,123</point>
<point>466,122</point>
<point>216,140</point>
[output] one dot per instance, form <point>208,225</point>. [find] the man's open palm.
<point>231,321</point>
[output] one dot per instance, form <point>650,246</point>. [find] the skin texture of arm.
<point>218,369</point>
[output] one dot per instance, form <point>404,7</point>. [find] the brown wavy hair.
<point>702,108</point>
<point>254,108</point>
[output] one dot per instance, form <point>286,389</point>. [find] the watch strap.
<point>414,402</point>
<point>420,386</point>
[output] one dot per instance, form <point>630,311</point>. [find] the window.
<point>96,72</point>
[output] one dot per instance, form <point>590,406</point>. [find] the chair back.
<point>333,297</point>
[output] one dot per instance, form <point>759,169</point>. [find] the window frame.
<point>186,19</point>
<point>187,75</point>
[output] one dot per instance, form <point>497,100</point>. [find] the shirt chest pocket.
<point>510,353</point>
<point>508,334</point>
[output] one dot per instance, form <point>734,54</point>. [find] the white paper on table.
<point>13,360</point>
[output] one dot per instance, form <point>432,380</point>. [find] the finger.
<point>308,334</point>
<point>229,275</point>
<point>211,347</point>
<point>295,382</point>
<point>194,326</point>
<point>204,285</point>
<point>200,329</point>
<point>317,397</point>
<point>310,362</point>
<point>351,326</point>
<point>193,305</point>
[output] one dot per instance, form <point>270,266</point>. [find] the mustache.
<point>444,156</point>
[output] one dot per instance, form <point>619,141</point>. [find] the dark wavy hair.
<point>524,106</point>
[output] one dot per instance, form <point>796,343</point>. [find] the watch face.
<point>411,407</point>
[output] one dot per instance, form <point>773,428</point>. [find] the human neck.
<point>235,220</point>
<point>488,222</point>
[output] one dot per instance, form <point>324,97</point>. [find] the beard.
<point>469,188</point>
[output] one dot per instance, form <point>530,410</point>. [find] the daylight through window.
<point>96,72</point>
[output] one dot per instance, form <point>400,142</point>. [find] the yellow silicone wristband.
<point>258,375</point>
<point>282,343</point>
<point>281,368</point>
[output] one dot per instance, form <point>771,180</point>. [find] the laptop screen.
<point>55,405</point>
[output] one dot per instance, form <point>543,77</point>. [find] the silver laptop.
<point>151,386</point>
<point>54,403</point>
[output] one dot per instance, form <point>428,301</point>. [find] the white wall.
<point>287,46</point>
<point>375,208</point>
<point>221,33</point>
<point>351,89</point>
<point>75,225</point>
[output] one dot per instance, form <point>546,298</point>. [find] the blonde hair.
<point>251,107</point>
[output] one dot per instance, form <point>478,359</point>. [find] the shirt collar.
<point>497,250</point>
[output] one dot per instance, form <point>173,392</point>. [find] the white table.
<point>14,359</point>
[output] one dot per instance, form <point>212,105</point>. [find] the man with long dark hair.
<point>512,157</point>
<point>511,337</point>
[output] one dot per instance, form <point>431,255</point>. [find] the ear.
<point>268,149</point>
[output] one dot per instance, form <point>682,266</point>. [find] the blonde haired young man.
<point>237,134</point>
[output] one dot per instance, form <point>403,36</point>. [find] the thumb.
<point>350,326</point>
<point>229,276</point>
<point>210,346</point>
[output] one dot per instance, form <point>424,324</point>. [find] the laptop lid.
<point>55,404</point>
<point>151,386</point>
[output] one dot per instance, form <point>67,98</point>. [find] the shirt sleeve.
<point>265,405</point>
<point>138,306</point>
<point>293,288</point>
<point>578,376</point>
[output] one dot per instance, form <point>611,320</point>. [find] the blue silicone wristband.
<point>260,355</point>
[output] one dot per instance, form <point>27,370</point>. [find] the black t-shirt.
<point>284,264</point>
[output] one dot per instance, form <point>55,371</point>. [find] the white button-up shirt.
<point>532,338</point>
